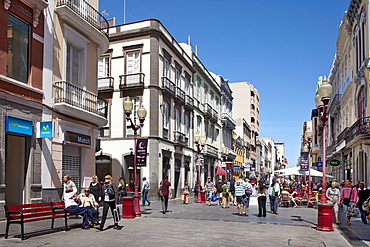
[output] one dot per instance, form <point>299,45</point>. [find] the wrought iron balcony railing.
<point>180,138</point>
<point>86,12</point>
<point>105,83</point>
<point>131,80</point>
<point>180,94</point>
<point>189,101</point>
<point>207,109</point>
<point>360,127</point>
<point>65,92</point>
<point>168,85</point>
<point>215,114</point>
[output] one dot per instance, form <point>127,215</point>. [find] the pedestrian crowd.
<point>353,200</point>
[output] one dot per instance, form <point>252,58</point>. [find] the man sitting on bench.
<point>72,207</point>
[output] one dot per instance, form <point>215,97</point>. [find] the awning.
<point>220,172</point>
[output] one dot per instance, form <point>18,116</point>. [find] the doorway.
<point>15,169</point>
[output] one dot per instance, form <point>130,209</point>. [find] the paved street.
<point>200,225</point>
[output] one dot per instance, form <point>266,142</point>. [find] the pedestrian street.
<point>196,224</point>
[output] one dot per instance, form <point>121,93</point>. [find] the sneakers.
<point>85,227</point>
<point>149,203</point>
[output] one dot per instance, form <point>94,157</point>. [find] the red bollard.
<point>128,208</point>
<point>203,196</point>
<point>325,217</point>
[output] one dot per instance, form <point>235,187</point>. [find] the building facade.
<point>74,42</point>
<point>21,96</point>
<point>246,106</point>
<point>145,63</point>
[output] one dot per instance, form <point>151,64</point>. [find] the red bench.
<point>19,214</point>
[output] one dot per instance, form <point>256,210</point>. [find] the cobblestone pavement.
<point>197,225</point>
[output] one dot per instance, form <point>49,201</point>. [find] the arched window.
<point>361,103</point>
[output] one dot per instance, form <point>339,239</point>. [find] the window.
<point>361,103</point>
<point>187,125</point>
<point>129,130</point>
<point>199,85</point>
<point>178,120</point>
<point>187,83</point>
<point>205,94</point>
<point>104,67</point>
<point>18,49</point>
<point>199,122</point>
<point>177,77</point>
<point>166,116</point>
<point>72,64</point>
<point>133,67</point>
<point>166,67</point>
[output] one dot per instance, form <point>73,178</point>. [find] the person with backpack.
<point>110,192</point>
<point>274,193</point>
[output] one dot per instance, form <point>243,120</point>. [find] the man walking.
<point>219,191</point>
<point>274,194</point>
<point>240,187</point>
<point>165,191</point>
<point>144,192</point>
<point>209,187</point>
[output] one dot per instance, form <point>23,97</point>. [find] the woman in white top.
<point>333,194</point>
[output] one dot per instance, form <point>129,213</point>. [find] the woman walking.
<point>110,198</point>
<point>96,190</point>
<point>333,194</point>
<point>261,197</point>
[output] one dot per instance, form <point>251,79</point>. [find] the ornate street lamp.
<point>308,137</point>
<point>141,113</point>
<point>199,142</point>
<point>324,209</point>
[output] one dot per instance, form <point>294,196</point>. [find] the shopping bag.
<point>214,198</point>
<point>353,211</point>
<point>116,215</point>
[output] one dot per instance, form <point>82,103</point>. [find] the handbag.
<point>346,201</point>
<point>353,211</point>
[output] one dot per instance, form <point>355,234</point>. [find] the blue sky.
<point>279,46</point>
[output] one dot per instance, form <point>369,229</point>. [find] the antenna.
<point>124,11</point>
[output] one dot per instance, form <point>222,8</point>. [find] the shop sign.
<point>77,139</point>
<point>236,167</point>
<point>19,126</point>
<point>141,152</point>
<point>334,162</point>
<point>319,164</point>
<point>45,129</point>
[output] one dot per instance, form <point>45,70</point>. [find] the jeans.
<point>274,203</point>
<point>164,199</point>
<point>144,198</point>
<point>247,198</point>
<point>84,211</point>
<point>362,214</point>
<point>261,206</point>
<point>106,206</point>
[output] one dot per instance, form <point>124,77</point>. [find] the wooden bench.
<point>19,214</point>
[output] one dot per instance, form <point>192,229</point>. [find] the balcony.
<point>189,102</point>
<point>131,81</point>
<point>227,121</point>
<point>210,151</point>
<point>359,129</point>
<point>168,86</point>
<point>214,115</point>
<point>86,19</point>
<point>180,138</point>
<point>179,94</point>
<point>76,102</point>
<point>207,110</point>
<point>105,84</point>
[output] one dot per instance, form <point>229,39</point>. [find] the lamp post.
<point>199,142</point>
<point>308,137</point>
<point>141,113</point>
<point>324,209</point>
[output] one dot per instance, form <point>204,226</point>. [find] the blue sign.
<point>319,164</point>
<point>45,129</point>
<point>19,126</point>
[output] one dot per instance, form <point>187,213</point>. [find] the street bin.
<point>203,196</point>
<point>128,207</point>
<point>325,217</point>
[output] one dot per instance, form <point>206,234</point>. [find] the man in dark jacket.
<point>232,190</point>
<point>219,191</point>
